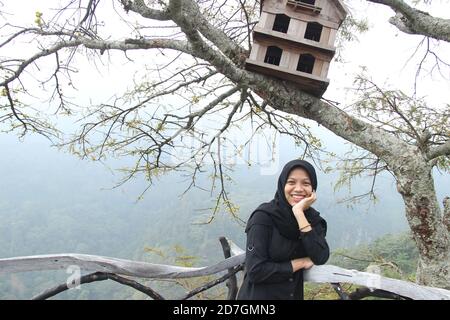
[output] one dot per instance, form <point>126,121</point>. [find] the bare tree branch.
<point>362,293</point>
<point>128,44</point>
<point>441,150</point>
<point>99,276</point>
<point>13,109</point>
<point>140,7</point>
<point>213,283</point>
<point>414,21</point>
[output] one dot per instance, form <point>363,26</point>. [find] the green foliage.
<point>38,19</point>
<point>315,291</point>
<point>396,255</point>
<point>178,255</point>
<point>443,162</point>
<point>349,31</point>
<point>351,27</point>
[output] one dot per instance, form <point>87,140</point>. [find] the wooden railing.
<point>120,270</point>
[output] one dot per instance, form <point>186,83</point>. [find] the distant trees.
<point>199,59</point>
<point>396,256</point>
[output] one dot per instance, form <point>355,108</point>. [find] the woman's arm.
<point>313,237</point>
<point>315,244</point>
<point>299,214</point>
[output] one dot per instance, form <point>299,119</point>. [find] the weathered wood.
<point>333,274</point>
<point>362,293</point>
<point>235,250</point>
<point>112,265</point>
<point>232,280</point>
<point>100,276</point>
<point>341,293</point>
<point>319,274</point>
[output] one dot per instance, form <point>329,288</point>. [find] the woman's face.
<point>298,186</point>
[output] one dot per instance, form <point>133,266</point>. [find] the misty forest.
<point>136,130</point>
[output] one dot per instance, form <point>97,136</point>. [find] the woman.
<point>284,237</point>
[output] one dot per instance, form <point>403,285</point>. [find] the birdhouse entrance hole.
<point>273,55</point>
<point>313,31</point>
<point>311,2</point>
<point>302,5</point>
<point>306,63</point>
<point>281,23</point>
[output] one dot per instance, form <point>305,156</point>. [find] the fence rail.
<point>104,268</point>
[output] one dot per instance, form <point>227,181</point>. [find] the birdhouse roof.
<point>338,3</point>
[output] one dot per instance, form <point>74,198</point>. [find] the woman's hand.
<point>305,203</point>
<point>302,263</point>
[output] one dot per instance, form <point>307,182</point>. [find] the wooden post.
<point>341,293</point>
<point>232,281</point>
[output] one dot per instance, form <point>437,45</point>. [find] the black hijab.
<point>280,210</point>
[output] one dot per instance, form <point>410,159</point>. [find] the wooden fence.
<point>122,271</point>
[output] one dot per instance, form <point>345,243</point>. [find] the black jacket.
<point>268,269</point>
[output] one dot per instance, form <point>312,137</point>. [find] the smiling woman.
<point>284,237</point>
<point>298,186</point>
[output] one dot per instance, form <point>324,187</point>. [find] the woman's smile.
<point>297,197</point>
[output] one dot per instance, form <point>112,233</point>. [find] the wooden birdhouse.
<point>294,40</point>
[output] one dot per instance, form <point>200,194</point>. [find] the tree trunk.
<point>416,185</point>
